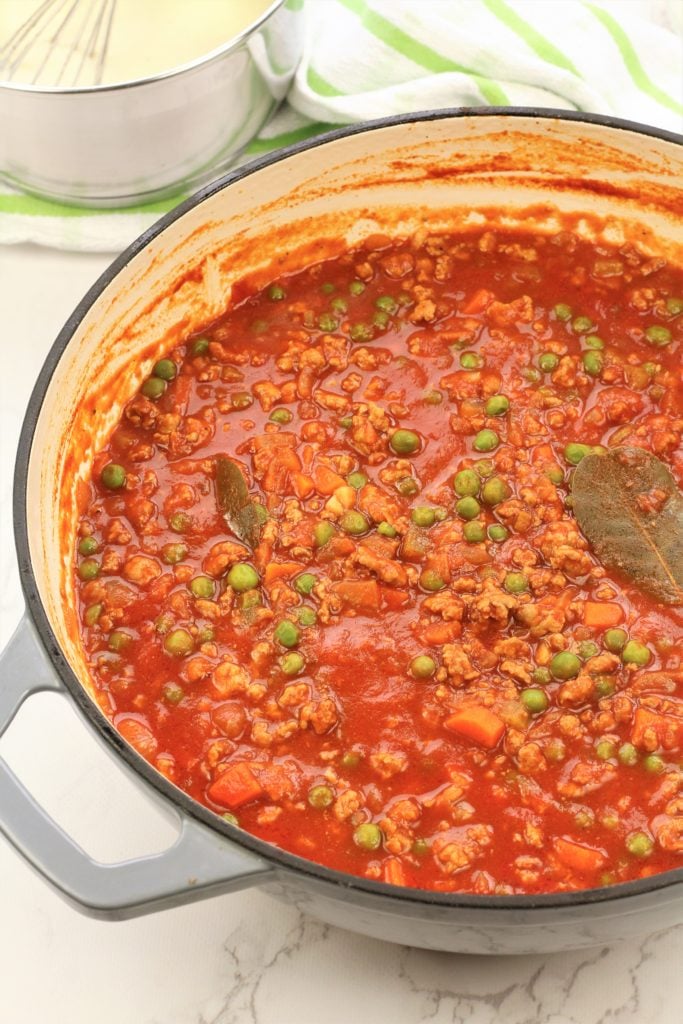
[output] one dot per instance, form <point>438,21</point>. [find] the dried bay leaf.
<point>630,509</point>
<point>241,513</point>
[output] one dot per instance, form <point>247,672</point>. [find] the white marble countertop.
<point>240,959</point>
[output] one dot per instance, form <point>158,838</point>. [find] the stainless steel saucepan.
<point>611,180</point>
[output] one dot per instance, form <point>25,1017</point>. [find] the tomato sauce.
<point>385,645</point>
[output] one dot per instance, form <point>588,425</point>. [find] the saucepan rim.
<point>278,858</point>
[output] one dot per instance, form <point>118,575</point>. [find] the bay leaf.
<point>232,495</point>
<point>630,509</point>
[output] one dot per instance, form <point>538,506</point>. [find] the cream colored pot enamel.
<point>445,173</point>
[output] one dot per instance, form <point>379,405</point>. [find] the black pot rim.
<point>275,856</point>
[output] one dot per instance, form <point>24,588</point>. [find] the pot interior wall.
<point>452,172</point>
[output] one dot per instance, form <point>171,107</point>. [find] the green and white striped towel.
<point>369,58</point>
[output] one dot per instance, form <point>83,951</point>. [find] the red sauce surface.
<point>486,769</point>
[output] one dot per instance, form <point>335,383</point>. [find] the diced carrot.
<point>667,729</point>
<point>477,723</point>
<point>439,633</point>
<point>585,860</point>
<point>139,736</point>
<point>542,454</point>
<point>278,439</point>
<point>363,595</point>
<point>478,301</point>
<point>394,598</point>
<point>303,485</point>
<point>338,547</point>
<point>602,614</point>
<point>284,461</point>
<point>237,785</point>
<point>326,480</point>
<point>394,872</point>
<point>280,570</point>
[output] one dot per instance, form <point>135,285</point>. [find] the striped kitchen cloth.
<point>370,58</point>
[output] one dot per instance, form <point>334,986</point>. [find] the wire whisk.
<point>63,43</point>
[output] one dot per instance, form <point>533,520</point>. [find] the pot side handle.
<point>198,865</point>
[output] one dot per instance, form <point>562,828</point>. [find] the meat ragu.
<point>411,667</point>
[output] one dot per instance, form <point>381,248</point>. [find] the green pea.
<point>276,293</point>
<point>368,836</point>
<point>466,483</point>
<point>320,797</point>
<point>405,442</point>
<point>433,398</point>
<point>420,847</point>
<point>339,305</point>
<point>555,750</point>
<point>423,516</point>
<point>87,546</point>
<point>386,303</point>
<point>231,819</point>
<point>582,324</point>
<point>351,759</point>
<point>565,665</point>
<point>327,288</point>
<point>172,693</point>
<point>574,452</point>
<point>153,388</point>
<point>474,532</point>
<point>345,422</point>
<point>380,319</point>
<point>322,533</point>
<point>387,530</point>
<point>241,400</point>
<point>606,750</point>
<point>627,754</point>
<point>516,583</point>
<point>486,440</point>
<point>248,600</point>
<point>173,553</point>
<point>243,577</point>
<point>307,617</point>
<point>615,639</point>
<point>555,475</point>
<point>292,663</point>
<point>166,369</point>
<point>327,322</point>
<point>497,405</point>
<point>89,569</point>
<point>531,374</point>
<point>430,580</point>
<point>640,844</point>
<point>179,522</point>
<point>92,614</point>
<point>654,764</point>
<point>494,491</point>
<point>119,640</point>
<point>471,361</point>
<point>592,363</point>
<point>468,508</point>
<point>113,476</point>
<point>356,480</point>
<point>635,653</point>
<point>178,642</point>
<point>200,347</point>
<point>604,687</point>
<point>356,287</point>
<point>353,522</point>
<point>588,649</point>
<point>594,342</point>
<point>658,335</point>
<point>203,587</point>
<point>361,332</point>
<point>535,701</point>
<point>541,675</point>
<point>674,306</point>
<point>548,362</point>
<point>305,583</point>
<point>286,633</point>
<point>563,311</point>
<point>280,416</point>
<point>497,533</point>
<point>423,666</point>
<point>407,486</point>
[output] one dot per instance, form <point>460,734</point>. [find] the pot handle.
<point>200,863</point>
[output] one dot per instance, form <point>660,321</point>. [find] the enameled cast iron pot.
<point>613,180</point>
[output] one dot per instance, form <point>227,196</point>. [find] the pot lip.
<point>277,858</point>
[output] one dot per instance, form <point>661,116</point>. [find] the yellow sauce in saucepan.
<point>145,38</point>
